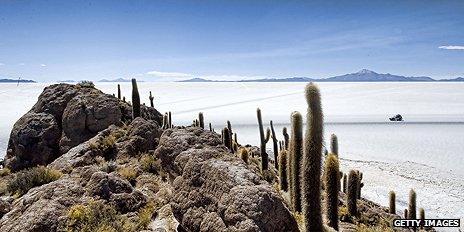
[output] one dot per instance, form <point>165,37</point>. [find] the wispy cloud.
<point>43,65</point>
<point>169,74</point>
<point>452,47</point>
<point>21,64</point>
<point>1,64</point>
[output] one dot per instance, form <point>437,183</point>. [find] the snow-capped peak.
<point>366,71</point>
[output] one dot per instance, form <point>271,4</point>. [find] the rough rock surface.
<point>215,191</point>
<point>63,117</point>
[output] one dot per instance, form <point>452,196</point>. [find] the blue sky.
<point>171,40</point>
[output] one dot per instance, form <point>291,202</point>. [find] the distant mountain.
<point>197,80</point>
<point>364,75</point>
<point>290,79</point>
<point>16,81</point>
<point>453,80</point>
<point>368,75</point>
<point>117,80</point>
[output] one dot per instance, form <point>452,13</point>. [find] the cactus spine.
<point>275,146</point>
<point>412,205</point>
<point>286,138</point>
<point>119,91</point>
<point>151,100</point>
<point>352,193</point>
<point>264,140</point>
<point>296,148</point>
<point>334,144</point>
<point>283,177</point>
<point>312,160</point>
<point>392,208</point>
<point>332,185</point>
<point>201,120</point>
<point>135,100</point>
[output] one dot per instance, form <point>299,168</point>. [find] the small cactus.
<point>124,99</point>
<point>169,120</point>
<point>405,213</point>
<point>119,91</point>
<point>312,160</point>
<point>360,184</point>
<point>283,177</point>
<point>352,193</point>
<point>334,144</point>
<point>275,146</point>
<point>332,184</point>
<point>151,100</point>
<point>135,100</point>
<point>210,127</point>
<point>412,205</point>
<point>201,120</point>
<point>229,126</point>
<point>264,139</point>
<point>422,216</point>
<point>296,149</point>
<point>392,208</point>
<point>165,121</point>
<point>286,138</point>
<point>244,154</point>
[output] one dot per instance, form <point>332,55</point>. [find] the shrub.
<point>30,178</point>
<point>148,163</point>
<point>129,173</point>
<point>86,84</point>
<point>4,172</point>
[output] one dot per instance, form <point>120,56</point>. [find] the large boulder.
<point>216,191</point>
<point>64,117</point>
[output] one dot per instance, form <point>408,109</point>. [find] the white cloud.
<point>452,47</point>
<point>43,65</point>
<point>169,74</point>
<point>21,64</point>
<point>1,64</point>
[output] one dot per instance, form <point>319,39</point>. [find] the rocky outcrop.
<point>214,191</point>
<point>64,117</point>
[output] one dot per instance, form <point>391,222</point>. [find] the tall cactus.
<point>312,160</point>
<point>119,91</point>
<point>352,193</point>
<point>392,208</point>
<point>264,139</point>
<point>422,216</point>
<point>151,100</point>
<point>286,138</point>
<point>283,177</point>
<point>135,100</point>
<point>412,205</point>
<point>332,184</point>
<point>226,138</point>
<point>210,127</point>
<point>334,144</point>
<point>360,184</point>
<point>296,149</point>
<point>169,120</point>
<point>275,146</point>
<point>201,120</point>
<point>344,182</point>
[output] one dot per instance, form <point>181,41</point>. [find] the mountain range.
<point>15,81</point>
<point>361,76</point>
